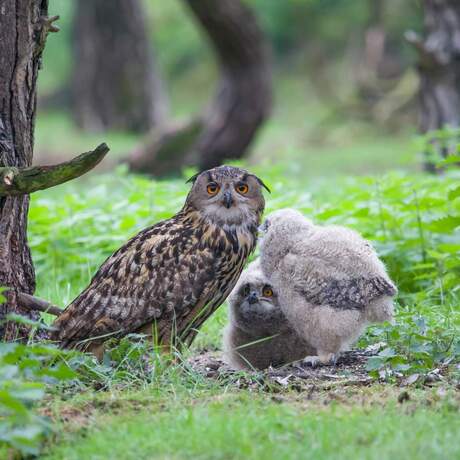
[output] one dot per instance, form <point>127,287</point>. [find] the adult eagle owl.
<point>169,278</point>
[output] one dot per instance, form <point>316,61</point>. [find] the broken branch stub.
<point>35,304</point>
<point>21,181</point>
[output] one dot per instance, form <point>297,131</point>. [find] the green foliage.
<point>127,363</point>
<point>25,371</point>
<point>292,26</point>
<point>442,149</point>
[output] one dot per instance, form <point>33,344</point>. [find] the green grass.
<point>254,427</point>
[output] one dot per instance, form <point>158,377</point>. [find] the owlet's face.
<point>256,308</point>
<point>228,196</point>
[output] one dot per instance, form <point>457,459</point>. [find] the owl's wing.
<point>332,268</point>
<point>347,293</point>
<point>144,282</point>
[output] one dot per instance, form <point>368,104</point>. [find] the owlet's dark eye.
<point>212,188</point>
<point>242,188</point>
<point>246,290</point>
<point>267,291</point>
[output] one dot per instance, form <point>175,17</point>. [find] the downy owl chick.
<point>329,280</point>
<point>258,334</point>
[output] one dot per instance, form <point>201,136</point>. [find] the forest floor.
<point>325,413</point>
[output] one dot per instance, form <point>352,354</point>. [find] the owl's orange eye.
<point>242,189</point>
<point>212,188</point>
<point>267,291</point>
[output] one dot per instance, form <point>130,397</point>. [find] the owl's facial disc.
<point>228,196</point>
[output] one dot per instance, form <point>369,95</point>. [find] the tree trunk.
<point>114,85</point>
<point>439,70</point>
<point>23,30</point>
<point>243,100</point>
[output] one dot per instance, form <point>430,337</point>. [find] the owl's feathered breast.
<point>165,274</point>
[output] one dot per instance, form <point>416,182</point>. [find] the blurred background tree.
<point>114,82</point>
<point>344,80</point>
<point>240,105</point>
<point>439,70</point>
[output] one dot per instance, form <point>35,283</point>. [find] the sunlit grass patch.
<point>254,427</point>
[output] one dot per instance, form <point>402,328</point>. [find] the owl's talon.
<point>313,361</point>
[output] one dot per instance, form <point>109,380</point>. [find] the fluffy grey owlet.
<point>329,280</point>
<point>258,334</point>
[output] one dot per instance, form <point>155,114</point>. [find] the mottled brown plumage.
<point>170,277</point>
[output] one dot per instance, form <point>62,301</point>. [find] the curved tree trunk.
<point>243,100</point>
<point>114,85</point>
<point>23,32</point>
<point>439,69</point>
<point>241,105</point>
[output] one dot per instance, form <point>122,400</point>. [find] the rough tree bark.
<point>24,26</point>
<point>23,30</point>
<point>439,70</point>
<point>242,102</point>
<point>114,84</point>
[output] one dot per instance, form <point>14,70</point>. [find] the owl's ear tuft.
<point>193,178</point>
<point>261,183</point>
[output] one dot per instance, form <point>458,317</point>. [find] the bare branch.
<point>34,303</point>
<point>20,181</point>
<point>428,57</point>
<point>48,23</point>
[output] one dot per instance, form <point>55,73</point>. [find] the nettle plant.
<point>25,372</point>
<point>415,223</point>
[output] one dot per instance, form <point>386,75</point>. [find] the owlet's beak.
<point>228,199</point>
<point>263,228</point>
<point>253,298</point>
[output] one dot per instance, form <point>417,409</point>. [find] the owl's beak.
<point>253,298</point>
<point>228,199</point>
